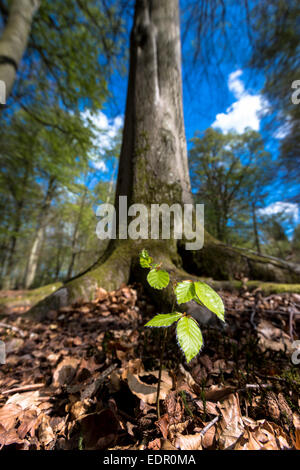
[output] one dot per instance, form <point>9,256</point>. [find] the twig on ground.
<point>255,386</point>
<point>25,388</point>
<point>209,425</point>
<point>271,312</point>
<point>253,313</point>
<point>274,377</point>
<point>92,389</point>
<point>13,328</point>
<point>257,297</point>
<point>108,371</point>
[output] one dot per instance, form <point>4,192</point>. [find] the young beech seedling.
<point>188,333</point>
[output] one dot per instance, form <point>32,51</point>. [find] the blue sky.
<point>223,93</point>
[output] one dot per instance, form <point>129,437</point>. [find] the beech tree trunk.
<point>13,41</point>
<point>153,164</point>
<point>153,167</point>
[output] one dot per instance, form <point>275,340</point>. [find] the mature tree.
<point>14,38</point>
<point>18,186</point>
<point>228,174</point>
<point>36,163</point>
<point>153,164</point>
<point>52,85</point>
<point>276,48</point>
<point>69,242</point>
<point>49,72</point>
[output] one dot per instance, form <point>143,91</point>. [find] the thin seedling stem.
<point>163,345</point>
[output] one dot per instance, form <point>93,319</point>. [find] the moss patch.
<point>274,288</point>
<point>266,287</point>
<point>29,297</point>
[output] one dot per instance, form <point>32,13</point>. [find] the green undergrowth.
<point>29,297</point>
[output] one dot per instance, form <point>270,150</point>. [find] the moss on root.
<point>274,288</point>
<point>29,297</point>
<point>115,269</point>
<point>109,275</point>
<point>267,288</point>
<point>121,264</point>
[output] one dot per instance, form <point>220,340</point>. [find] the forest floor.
<point>86,377</point>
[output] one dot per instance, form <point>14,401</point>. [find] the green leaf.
<point>189,337</point>
<point>210,299</point>
<point>164,319</point>
<point>184,291</point>
<point>158,278</point>
<point>145,259</point>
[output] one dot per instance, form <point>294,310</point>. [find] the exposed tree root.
<point>216,260</point>
<point>114,271</point>
<point>266,288</point>
<point>26,298</point>
<point>222,262</point>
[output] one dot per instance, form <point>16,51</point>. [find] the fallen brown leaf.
<point>9,414</point>
<point>9,437</point>
<point>216,393</point>
<point>148,392</point>
<point>45,431</point>
<point>99,430</point>
<point>163,424</point>
<point>271,337</point>
<point>189,442</point>
<point>65,371</point>
<point>230,427</point>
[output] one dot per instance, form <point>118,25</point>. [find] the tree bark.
<point>59,262</point>
<point>153,164</point>
<point>13,41</point>
<point>8,278</point>
<point>34,257</point>
<point>39,235</point>
<point>255,230</point>
<point>75,235</point>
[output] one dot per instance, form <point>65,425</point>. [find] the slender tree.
<point>230,173</point>
<point>14,39</point>
<point>39,234</point>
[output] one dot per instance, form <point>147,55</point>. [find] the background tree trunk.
<point>39,235</point>
<point>153,167</point>
<point>34,257</point>
<point>8,278</point>
<point>255,230</point>
<point>13,41</point>
<point>75,234</point>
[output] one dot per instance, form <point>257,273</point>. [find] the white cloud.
<point>100,165</point>
<point>242,113</point>
<point>235,85</point>
<point>107,130</point>
<point>288,208</point>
